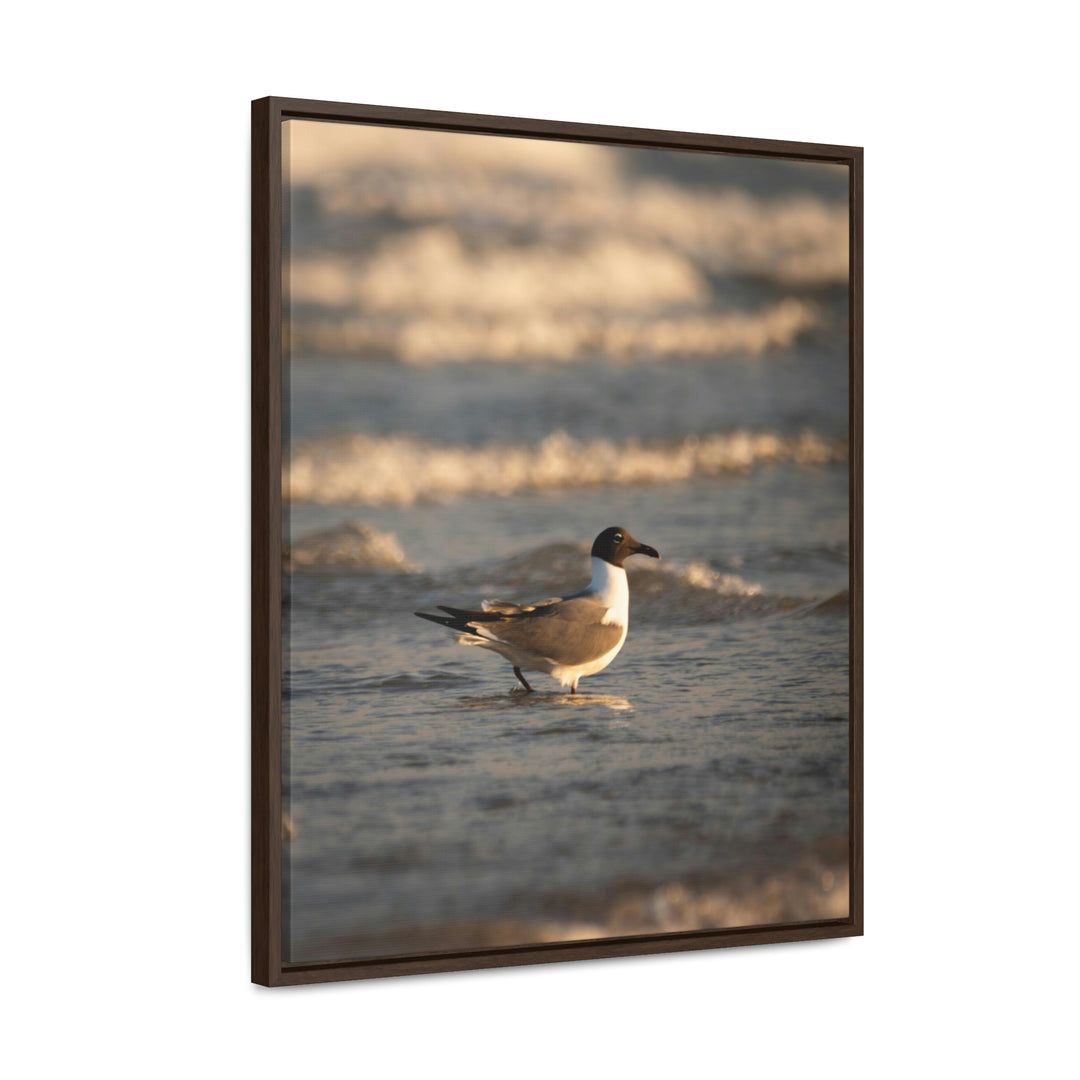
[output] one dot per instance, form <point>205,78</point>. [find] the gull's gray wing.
<point>568,631</point>
<point>506,607</point>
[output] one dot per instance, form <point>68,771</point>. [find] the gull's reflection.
<point>516,699</point>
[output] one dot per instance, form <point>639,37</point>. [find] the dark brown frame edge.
<point>267,967</point>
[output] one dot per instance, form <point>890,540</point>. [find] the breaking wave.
<point>445,246</point>
<point>815,887</point>
<point>555,565</point>
<point>402,469</point>
<point>353,545</point>
<point>545,192</point>
<point>349,544</point>
<point>430,337</point>
<point>691,575</point>
<point>432,269</point>
<point>669,591</point>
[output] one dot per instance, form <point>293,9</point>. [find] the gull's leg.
<point>521,679</point>
<point>573,689</point>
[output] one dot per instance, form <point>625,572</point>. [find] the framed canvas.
<point>522,379</point>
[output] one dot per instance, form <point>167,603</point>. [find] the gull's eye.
<point>618,538</point>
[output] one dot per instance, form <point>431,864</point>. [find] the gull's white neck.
<point>610,587</point>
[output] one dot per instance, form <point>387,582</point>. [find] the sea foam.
<point>548,192</point>
<point>446,246</point>
<point>433,336</point>
<point>403,469</point>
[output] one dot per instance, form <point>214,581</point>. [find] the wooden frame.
<point>267,965</point>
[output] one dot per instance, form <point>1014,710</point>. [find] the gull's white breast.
<point>610,587</point>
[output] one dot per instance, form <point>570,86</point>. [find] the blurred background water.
<point>498,347</point>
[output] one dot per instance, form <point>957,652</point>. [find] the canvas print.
<point>566,541</point>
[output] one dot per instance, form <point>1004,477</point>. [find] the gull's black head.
<point>616,544</point>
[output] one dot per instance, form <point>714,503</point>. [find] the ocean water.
<point>498,348</point>
<point>700,780</point>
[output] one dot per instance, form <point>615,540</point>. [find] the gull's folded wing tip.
<point>433,618</point>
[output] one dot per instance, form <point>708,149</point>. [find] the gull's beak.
<point>644,549</point>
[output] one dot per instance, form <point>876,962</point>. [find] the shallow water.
<point>499,348</point>
<point>434,806</point>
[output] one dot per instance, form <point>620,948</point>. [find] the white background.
<point>125,479</point>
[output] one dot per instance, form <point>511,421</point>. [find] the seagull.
<point>565,637</point>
